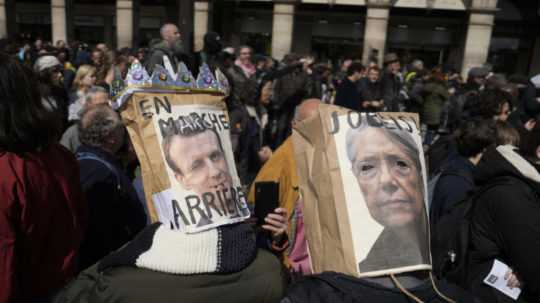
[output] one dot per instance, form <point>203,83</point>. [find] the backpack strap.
<point>81,156</point>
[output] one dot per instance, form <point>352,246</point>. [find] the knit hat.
<point>224,249</point>
<point>45,62</point>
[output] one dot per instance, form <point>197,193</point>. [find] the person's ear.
<point>182,180</point>
<point>538,152</point>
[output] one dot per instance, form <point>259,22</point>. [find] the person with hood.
<point>505,224</point>
<point>210,53</point>
<point>169,51</point>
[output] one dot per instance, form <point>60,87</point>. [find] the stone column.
<point>3,20</point>
<point>58,20</point>
<point>185,10</point>
<point>282,29</point>
<point>376,30</point>
<point>200,24</point>
<point>534,67</point>
<point>124,23</point>
<point>478,34</point>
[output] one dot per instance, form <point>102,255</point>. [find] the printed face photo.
<point>198,162</point>
<point>389,175</point>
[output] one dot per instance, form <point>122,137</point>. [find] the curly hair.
<point>492,101</point>
<point>97,124</point>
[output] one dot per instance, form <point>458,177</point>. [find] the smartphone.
<point>266,199</point>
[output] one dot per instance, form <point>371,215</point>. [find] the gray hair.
<point>97,125</point>
<point>417,64</point>
<point>93,91</point>
<point>402,138</point>
<point>164,28</point>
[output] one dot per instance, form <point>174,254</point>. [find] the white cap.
<point>45,62</point>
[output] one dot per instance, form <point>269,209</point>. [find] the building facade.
<point>459,33</point>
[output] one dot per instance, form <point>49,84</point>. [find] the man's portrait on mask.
<point>197,160</point>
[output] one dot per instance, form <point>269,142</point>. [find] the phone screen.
<point>266,199</point>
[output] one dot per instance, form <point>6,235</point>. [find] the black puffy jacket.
<point>506,223</point>
<point>331,287</point>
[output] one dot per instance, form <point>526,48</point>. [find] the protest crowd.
<point>75,227</point>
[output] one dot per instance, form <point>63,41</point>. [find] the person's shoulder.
<point>498,193</point>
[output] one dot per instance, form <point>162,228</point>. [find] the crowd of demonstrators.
<point>62,209</point>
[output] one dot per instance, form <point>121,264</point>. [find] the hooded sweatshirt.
<point>506,223</point>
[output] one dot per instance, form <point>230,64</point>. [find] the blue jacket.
<point>115,213</point>
<point>453,186</point>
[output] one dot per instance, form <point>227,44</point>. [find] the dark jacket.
<point>335,287</point>
<point>156,56</point>
<point>370,92</point>
<point>161,49</point>
<point>57,100</point>
<point>348,95</point>
<point>290,90</point>
<point>453,186</point>
<point>435,96</point>
<point>116,214</point>
<point>391,88</point>
<point>506,223</point>
<point>121,278</point>
<point>42,220</point>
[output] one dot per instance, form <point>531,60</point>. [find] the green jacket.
<point>261,281</point>
<point>435,95</point>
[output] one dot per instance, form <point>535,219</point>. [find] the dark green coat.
<point>262,281</point>
<point>435,95</point>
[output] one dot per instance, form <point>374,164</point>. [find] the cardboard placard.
<point>363,181</point>
<point>183,144</point>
